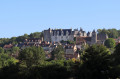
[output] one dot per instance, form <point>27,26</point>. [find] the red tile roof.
<point>8,46</point>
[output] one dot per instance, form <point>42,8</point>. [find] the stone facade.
<point>61,34</point>
<point>47,35</point>
<point>58,35</point>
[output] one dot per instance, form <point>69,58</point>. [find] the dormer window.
<point>55,33</point>
<point>62,33</point>
<point>67,33</point>
<point>58,33</point>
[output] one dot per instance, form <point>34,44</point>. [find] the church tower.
<point>94,37</point>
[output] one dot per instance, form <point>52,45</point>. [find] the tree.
<point>36,35</point>
<point>113,33</point>
<point>70,42</point>
<point>26,35</point>
<point>116,55</point>
<point>6,60</point>
<point>118,32</point>
<point>1,50</point>
<point>103,31</point>
<point>115,58</point>
<point>110,43</point>
<point>32,56</point>
<point>58,53</point>
<point>15,49</point>
<point>96,62</point>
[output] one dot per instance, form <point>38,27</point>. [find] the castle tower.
<point>81,29</point>
<point>94,37</point>
<point>89,34</point>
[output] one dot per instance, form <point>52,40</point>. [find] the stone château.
<point>80,36</point>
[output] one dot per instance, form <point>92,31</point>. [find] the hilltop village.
<point>61,54</point>
<point>71,40</point>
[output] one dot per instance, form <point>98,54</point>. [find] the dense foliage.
<point>96,62</point>
<point>112,33</point>
<point>6,60</point>
<point>16,40</point>
<point>58,53</point>
<point>110,43</point>
<point>32,56</point>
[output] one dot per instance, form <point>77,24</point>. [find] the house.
<point>70,51</point>
<point>117,40</point>
<point>8,46</point>
<point>30,42</point>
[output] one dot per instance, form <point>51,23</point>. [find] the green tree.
<point>70,42</point>
<point>6,60</point>
<point>118,32</point>
<point>115,58</point>
<point>113,33</point>
<point>110,43</point>
<point>26,35</point>
<point>116,54</point>
<point>13,40</point>
<point>15,49</point>
<point>96,62</point>
<point>32,56</point>
<point>1,50</point>
<point>103,31</point>
<point>58,53</point>
<point>36,35</point>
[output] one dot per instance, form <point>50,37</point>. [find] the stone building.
<point>93,39</point>
<point>57,35</point>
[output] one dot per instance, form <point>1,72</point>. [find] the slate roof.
<point>8,46</point>
<point>82,39</point>
<point>32,40</point>
<point>60,31</point>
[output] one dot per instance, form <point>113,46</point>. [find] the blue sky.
<point>26,16</point>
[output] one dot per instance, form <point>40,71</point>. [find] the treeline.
<point>95,62</point>
<point>16,40</point>
<point>112,33</point>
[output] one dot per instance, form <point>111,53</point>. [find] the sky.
<point>18,17</point>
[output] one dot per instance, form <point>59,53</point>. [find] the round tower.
<point>81,29</point>
<point>89,34</point>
